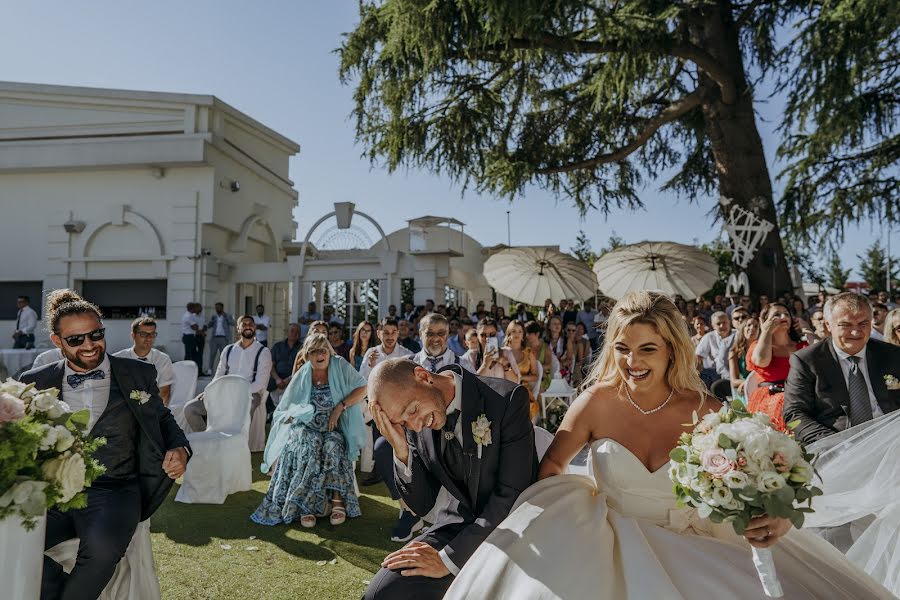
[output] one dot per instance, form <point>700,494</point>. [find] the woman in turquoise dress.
<point>746,334</point>
<point>317,432</point>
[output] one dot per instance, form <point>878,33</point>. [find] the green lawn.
<point>288,561</point>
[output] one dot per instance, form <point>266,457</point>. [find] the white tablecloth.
<point>13,361</point>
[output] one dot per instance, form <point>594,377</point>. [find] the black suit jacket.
<point>158,431</point>
<point>507,466</point>
<point>816,394</point>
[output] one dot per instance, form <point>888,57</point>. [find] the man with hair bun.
<point>145,450</point>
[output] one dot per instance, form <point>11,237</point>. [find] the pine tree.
<point>873,267</point>
<point>590,98</point>
<point>836,273</point>
<point>583,249</point>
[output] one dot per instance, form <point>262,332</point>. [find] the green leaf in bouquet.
<point>802,495</point>
<point>725,442</point>
<point>716,517</point>
<point>740,523</point>
<point>679,455</point>
<point>785,495</point>
<point>792,425</point>
<point>797,519</point>
<point>80,419</point>
<point>749,494</point>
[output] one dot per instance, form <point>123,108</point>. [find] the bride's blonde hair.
<point>657,310</point>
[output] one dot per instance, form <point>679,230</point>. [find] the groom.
<point>145,450</point>
<point>469,434</point>
<point>845,379</point>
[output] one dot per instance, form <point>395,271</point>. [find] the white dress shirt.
<point>262,335</point>
<point>240,362</point>
<point>447,358</point>
<point>877,335</point>
<point>165,373</point>
<point>399,352</point>
<point>27,320</point>
<point>92,394</point>
<point>187,319</point>
<point>221,324</point>
<point>844,361</point>
<point>404,471</point>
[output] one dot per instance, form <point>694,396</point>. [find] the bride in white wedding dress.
<point>620,536</point>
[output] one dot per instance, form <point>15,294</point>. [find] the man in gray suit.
<point>843,380</point>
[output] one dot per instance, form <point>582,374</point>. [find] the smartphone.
<point>491,345</point>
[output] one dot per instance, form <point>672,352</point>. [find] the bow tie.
<point>77,379</point>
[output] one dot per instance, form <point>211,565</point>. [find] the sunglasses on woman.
<point>73,341</point>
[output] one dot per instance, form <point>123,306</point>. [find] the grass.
<point>191,562</point>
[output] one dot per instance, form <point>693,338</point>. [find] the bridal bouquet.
<point>45,457</point>
<point>735,466</point>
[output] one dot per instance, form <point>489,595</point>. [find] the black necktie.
<point>860,406</point>
<point>453,454</point>
<point>77,379</point>
<point>18,319</point>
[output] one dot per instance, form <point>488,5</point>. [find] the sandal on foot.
<point>308,521</point>
<point>338,515</point>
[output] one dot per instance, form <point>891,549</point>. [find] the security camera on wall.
<point>235,186</point>
<point>73,226</point>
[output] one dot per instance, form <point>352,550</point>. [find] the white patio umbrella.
<point>664,266</point>
<point>531,275</point>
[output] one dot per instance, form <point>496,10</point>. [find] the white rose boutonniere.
<point>891,382</point>
<point>140,396</point>
<point>481,431</point>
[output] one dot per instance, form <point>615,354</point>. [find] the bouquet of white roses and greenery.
<point>735,466</point>
<point>45,456</point>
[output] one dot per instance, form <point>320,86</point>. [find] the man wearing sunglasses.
<point>143,332</point>
<point>145,450</point>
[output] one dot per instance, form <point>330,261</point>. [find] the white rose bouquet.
<point>45,456</point>
<point>734,467</point>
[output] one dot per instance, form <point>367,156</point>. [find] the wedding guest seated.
<point>521,315</point>
<point>407,339</point>
<point>582,346</point>
<point>284,354</point>
<point>389,347</point>
<point>502,324</point>
<point>143,334</point>
<point>561,346</point>
<point>845,380</point>
<point>700,329</point>
<point>363,339</point>
<point>770,357</point>
<point>892,327</point>
<point>490,360</point>
<point>525,361</point>
<point>317,432</point>
<point>817,324</point>
<point>336,337</point>
<point>248,358</point>
<point>458,330</point>
<point>534,339</point>
<point>879,314</point>
<point>711,345</point>
<point>745,335</point>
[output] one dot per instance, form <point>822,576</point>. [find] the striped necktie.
<point>860,406</point>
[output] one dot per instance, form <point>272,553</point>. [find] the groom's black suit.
<point>479,502</point>
<point>132,488</point>
<point>816,394</point>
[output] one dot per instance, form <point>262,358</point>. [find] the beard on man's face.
<point>247,334</point>
<point>74,356</point>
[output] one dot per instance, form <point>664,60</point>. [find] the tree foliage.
<point>724,256</point>
<point>583,250</point>
<point>873,265</point>
<point>589,99</point>
<point>836,273</point>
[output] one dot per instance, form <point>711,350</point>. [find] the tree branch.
<point>683,50</point>
<point>671,113</point>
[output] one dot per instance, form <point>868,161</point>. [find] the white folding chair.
<point>183,390</point>
<point>536,389</point>
<point>554,367</point>
<point>135,575</point>
<point>220,464</point>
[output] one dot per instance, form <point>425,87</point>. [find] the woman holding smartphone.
<point>491,360</point>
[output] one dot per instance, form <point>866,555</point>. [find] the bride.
<point>623,537</point>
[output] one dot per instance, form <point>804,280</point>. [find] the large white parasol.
<point>531,275</point>
<point>664,266</point>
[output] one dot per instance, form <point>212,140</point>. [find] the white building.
<point>143,201</point>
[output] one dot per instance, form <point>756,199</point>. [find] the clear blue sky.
<point>275,61</point>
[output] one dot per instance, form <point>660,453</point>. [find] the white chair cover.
<point>220,464</point>
<point>135,575</point>
<point>184,389</point>
<point>750,384</point>
<point>257,439</point>
<point>367,452</point>
<point>536,389</point>
<point>542,440</point>
<point>554,366</point>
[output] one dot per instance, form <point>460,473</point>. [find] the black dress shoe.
<point>372,479</point>
<point>406,527</point>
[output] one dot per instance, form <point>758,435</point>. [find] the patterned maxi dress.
<point>313,464</point>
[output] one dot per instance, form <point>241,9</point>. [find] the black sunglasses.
<point>73,341</point>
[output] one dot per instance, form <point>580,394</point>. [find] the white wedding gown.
<point>623,539</point>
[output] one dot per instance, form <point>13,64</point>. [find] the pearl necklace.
<point>652,410</point>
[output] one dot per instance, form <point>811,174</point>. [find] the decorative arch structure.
<point>131,218</point>
<point>240,244</point>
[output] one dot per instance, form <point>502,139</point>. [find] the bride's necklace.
<point>652,410</point>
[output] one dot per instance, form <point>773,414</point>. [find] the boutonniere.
<point>481,431</point>
<point>891,382</point>
<point>140,396</point>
